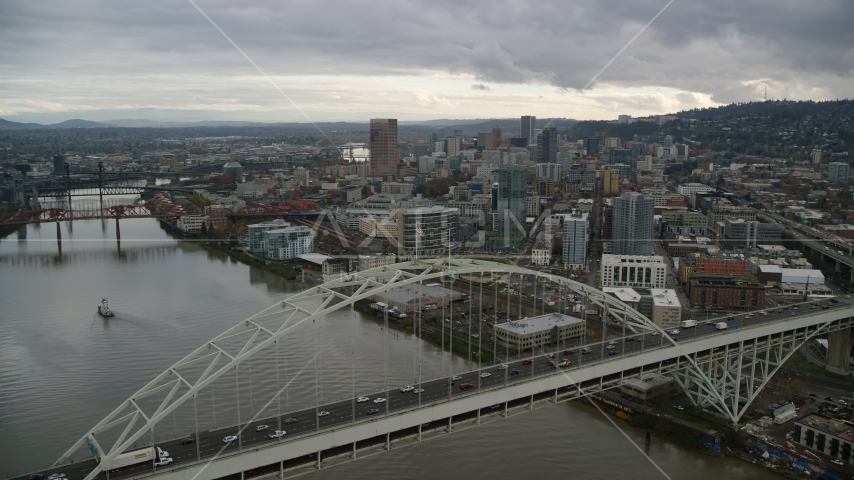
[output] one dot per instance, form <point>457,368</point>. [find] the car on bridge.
<point>289,421</point>
<point>379,400</point>
<point>322,413</point>
<point>418,390</point>
<point>364,399</point>
<point>373,411</point>
<point>502,367</point>
<point>527,362</point>
<point>261,428</point>
<point>514,372</point>
<point>277,434</point>
<point>455,378</point>
<point>407,388</point>
<point>466,386</point>
<point>187,441</point>
<point>229,439</point>
<point>163,462</point>
<point>485,375</point>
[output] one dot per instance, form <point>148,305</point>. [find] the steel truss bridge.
<point>722,371</point>
<point>93,210</point>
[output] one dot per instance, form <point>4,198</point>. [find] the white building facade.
<point>636,271</point>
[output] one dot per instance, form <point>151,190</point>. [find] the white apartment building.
<point>290,242</point>
<point>191,224</point>
<point>666,309</point>
<point>636,271</point>
<point>256,233</point>
<point>541,254</point>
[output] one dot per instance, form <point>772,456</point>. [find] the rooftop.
<point>665,297</point>
<point>540,323</point>
<point>315,258</point>
<point>724,280</point>
<point>623,294</point>
<point>838,428</point>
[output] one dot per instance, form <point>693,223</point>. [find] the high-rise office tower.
<point>384,148</point>
<point>816,156</point>
<point>633,224</point>
<point>512,188</point>
<point>58,164</point>
<point>529,123</point>
<point>575,239</point>
<point>547,146</point>
<point>497,138</point>
<point>591,146</point>
<point>837,172</point>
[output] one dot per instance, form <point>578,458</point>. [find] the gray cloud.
<point>122,54</point>
<point>480,86</point>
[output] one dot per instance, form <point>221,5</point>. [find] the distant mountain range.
<point>510,126</point>
<point>77,123</point>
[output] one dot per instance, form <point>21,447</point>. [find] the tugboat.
<point>104,309</point>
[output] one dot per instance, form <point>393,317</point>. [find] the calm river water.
<point>63,368</point>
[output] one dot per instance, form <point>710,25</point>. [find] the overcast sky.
<point>99,59</point>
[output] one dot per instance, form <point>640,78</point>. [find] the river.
<point>63,368</point>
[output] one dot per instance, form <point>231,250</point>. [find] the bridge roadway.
<point>347,412</point>
<point>826,243</point>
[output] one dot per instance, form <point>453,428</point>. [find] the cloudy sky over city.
<point>100,60</point>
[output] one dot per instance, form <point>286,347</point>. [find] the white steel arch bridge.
<point>723,371</point>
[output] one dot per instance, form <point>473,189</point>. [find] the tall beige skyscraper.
<point>384,148</point>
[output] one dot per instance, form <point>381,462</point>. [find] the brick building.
<point>730,292</point>
<point>698,263</point>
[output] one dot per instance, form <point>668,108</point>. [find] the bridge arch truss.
<point>184,380</point>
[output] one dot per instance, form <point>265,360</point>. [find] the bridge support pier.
<point>450,425</point>
<point>419,432</point>
<point>118,230</point>
<point>59,237</point>
<point>839,351</point>
<point>838,267</point>
<point>531,403</point>
<point>478,417</point>
<point>282,469</point>
<point>505,409</point>
<point>354,451</point>
<point>387,442</point>
<point>318,460</point>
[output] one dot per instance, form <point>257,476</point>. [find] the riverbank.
<point>707,438</point>
<point>289,273</point>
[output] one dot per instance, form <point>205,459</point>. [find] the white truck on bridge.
<point>721,326</point>
<point>137,456</point>
<point>689,323</point>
